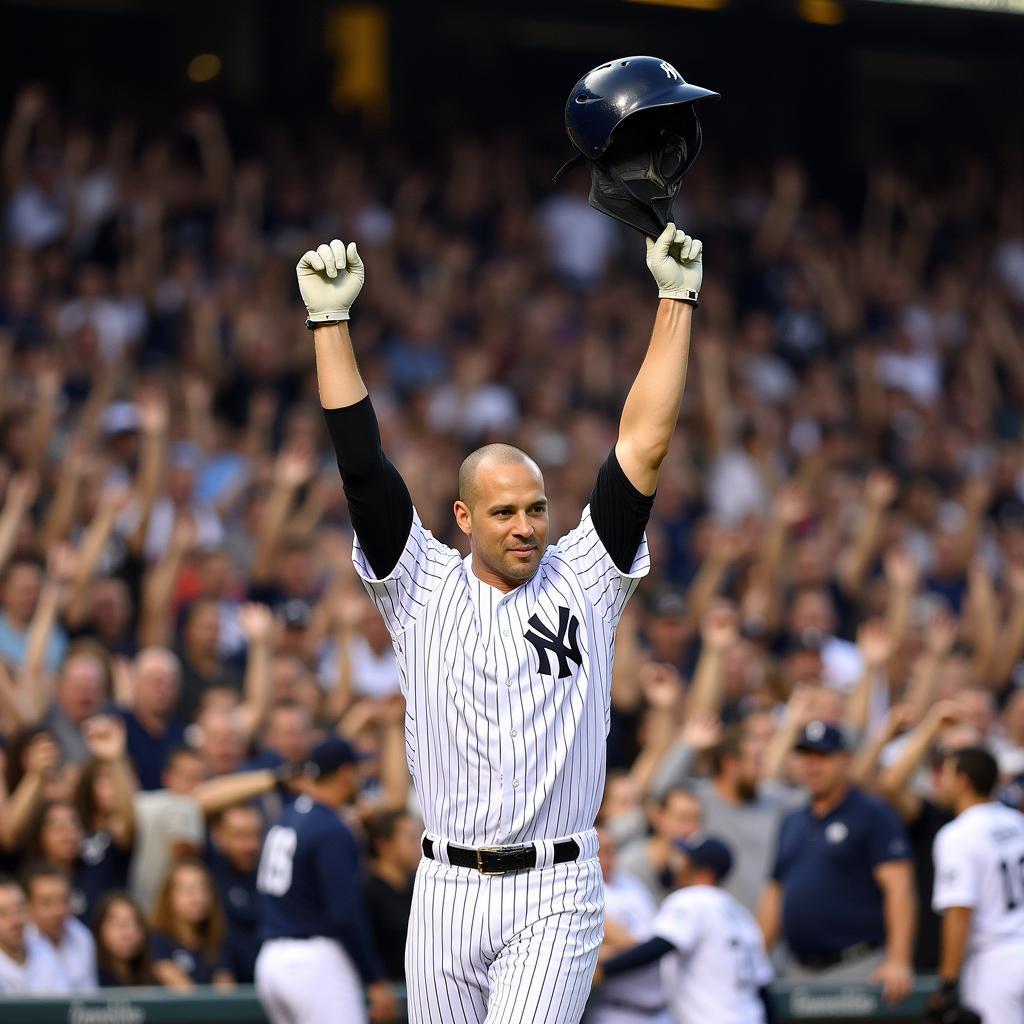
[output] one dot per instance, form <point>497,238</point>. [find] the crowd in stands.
<point>837,540</point>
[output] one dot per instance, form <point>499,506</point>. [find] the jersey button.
<point>515,783</point>
<point>513,733</point>
<point>509,683</point>
<point>505,632</point>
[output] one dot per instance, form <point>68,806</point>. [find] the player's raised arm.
<point>330,279</point>
<point>652,406</point>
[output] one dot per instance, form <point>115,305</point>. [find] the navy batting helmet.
<point>632,120</point>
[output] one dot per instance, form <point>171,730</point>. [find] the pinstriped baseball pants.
<point>504,949</point>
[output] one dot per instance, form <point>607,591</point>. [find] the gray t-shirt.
<point>632,859</point>
<point>162,819</point>
<point>749,829</point>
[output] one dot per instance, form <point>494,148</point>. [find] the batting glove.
<point>674,260</point>
<point>330,278</point>
<point>943,1007</point>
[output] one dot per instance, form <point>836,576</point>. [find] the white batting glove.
<point>674,261</point>
<point>330,278</point>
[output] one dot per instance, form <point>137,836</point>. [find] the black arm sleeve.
<point>769,1008</point>
<point>620,512</point>
<point>638,956</point>
<point>378,500</point>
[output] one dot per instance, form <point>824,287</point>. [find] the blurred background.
<point>839,530</point>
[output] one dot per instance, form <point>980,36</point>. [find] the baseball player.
<point>979,891</point>
<point>714,968</point>
<point>505,658</point>
<point>318,949</point>
<point>630,910</point>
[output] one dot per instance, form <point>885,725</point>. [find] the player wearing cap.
<point>318,949</point>
<point>979,890</point>
<point>635,997</point>
<point>842,890</point>
<point>713,965</point>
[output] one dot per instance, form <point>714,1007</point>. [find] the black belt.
<point>501,860</point>
<point>821,961</point>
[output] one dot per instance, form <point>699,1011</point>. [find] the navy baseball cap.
<point>708,852</point>
<point>821,738</point>
<point>329,756</point>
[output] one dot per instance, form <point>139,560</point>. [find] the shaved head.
<point>503,511</point>
<point>489,455</point>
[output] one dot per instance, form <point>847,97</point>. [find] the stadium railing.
<point>793,1002</point>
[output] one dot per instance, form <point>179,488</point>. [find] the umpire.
<point>841,890</point>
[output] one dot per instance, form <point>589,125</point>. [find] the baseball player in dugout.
<point>506,660</point>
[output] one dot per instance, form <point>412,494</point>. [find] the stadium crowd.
<point>837,540</point>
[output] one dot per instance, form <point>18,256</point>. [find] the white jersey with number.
<point>979,863</point>
<point>507,695</point>
<point>629,904</point>
<point>719,962</point>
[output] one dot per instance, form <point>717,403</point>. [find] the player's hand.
<point>896,979</point>
<point>383,1005</point>
<point>943,1007</point>
<point>330,278</point>
<point>674,260</point>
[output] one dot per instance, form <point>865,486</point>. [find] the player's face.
<point>508,523</point>
<point>12,916</point>
<point>50,905</point>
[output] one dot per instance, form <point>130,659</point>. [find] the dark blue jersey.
<point>309,884</point>
<point>826,867</point>
<point>236,891</point>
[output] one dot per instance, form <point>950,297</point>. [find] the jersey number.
<point>1014,893</point>
<point>275,873</point>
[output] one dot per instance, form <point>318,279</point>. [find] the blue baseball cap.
<point>329,756</point>
<point>821,738</point>
<point>708,852</point>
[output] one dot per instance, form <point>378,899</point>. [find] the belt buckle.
<point>480,850</point>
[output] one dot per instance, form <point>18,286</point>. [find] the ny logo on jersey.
<point>670,72</point>
<point>564,645</point>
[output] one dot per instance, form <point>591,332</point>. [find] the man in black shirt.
<point>940,731</point>
<point>233,856</point>
<point>393,839</point>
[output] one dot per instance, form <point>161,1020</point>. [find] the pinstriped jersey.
<point>507,695</point>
